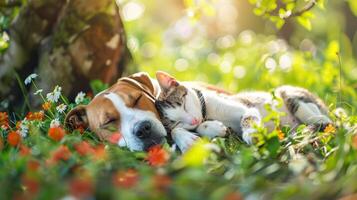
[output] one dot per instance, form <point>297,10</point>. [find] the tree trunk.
<point>32,24</point>
<point>67,43</point>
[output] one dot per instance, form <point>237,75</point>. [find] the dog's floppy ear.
<point>165,80</point>
<point>77,118</point>
<point>144,79</point>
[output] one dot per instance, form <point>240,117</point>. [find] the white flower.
<point>29,79</point>
<point>61,108</point>
<point>80,97</point>
<point>3,127</point>
<point>38,92</point>
<point>55,123</point>
<point>340,113</point>
<point>24,128</point>
<point>55,95</point>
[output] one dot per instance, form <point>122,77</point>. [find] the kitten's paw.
<point>247,135</point>
<point>212,129</point>
<point>184,139</point>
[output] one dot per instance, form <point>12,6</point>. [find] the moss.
<point>69,27</point>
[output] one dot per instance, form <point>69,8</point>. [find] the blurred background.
<point>224,42</point>
<point>237,45</point>
<point>86,45</point>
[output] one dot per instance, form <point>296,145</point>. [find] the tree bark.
<point>32,24</point>
<point>67,43</point>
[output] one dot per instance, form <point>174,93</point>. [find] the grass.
<point>51,162</point>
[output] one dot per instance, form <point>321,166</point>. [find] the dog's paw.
<point>212,129</point>
<point>184,139</point>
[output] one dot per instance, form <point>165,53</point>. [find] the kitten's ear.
<point>165,80</point>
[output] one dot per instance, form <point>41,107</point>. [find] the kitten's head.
<point>177,104</point>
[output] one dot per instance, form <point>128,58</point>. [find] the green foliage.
<point>281,165</point>
<point>353,6</point>
<point>98,86</point>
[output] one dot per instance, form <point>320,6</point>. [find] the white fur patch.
<point>186,116</point>
<point>129,117</point>
<point>212,129</point>
<point>183,138</point>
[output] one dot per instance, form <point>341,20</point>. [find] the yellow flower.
<point>197,154</point>
<point>46,105</point>
<point>330,129</point>
<point>281,134</point>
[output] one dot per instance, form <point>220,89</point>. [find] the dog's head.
<point>129,107</point>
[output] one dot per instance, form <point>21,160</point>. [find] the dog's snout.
<point>142,129</point>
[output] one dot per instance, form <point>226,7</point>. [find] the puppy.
<point>129,106</point>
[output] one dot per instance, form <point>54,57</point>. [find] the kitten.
<point>173,103</point>
<point>185,107</point>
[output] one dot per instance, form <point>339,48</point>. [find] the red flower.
<point>100,153</point>
<point>30,184</point>
<point>157,156</point>
<point>114,138</point>
<point>62,153</point>
<point>81,188</point>
<point>56,133</point>
<point>90,94</point>
<point>1,143</point>
<point>14,138</point>
<point>4,120</point>
<point>35,116</point>
<point>84,148</point>
<point>80,128</point>
<point>233,196</point>
<point>162,182</point>
<point>33,165</point>
<point>126,179</point>
<point>24,150</point>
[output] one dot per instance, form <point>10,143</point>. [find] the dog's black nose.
<point>142,129</point>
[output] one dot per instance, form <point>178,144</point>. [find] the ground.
<point>41,159</point>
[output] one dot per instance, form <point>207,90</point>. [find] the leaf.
<point>332,49</point>
<point>353,6</point>
<point>197,154</point>
<point>258,11</point>
<point>321,4</point>
<point>305,22</point>
<point>273,146</point>
<point>98,86</point>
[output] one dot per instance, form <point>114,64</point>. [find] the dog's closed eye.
<point>110,120</point>
<point>110,124</point>
<point>137,100</point>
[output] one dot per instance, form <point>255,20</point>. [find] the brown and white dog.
<point>128,105</point>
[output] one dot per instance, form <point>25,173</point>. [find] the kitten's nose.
<point>142,129</point>
<point>195,121</point>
